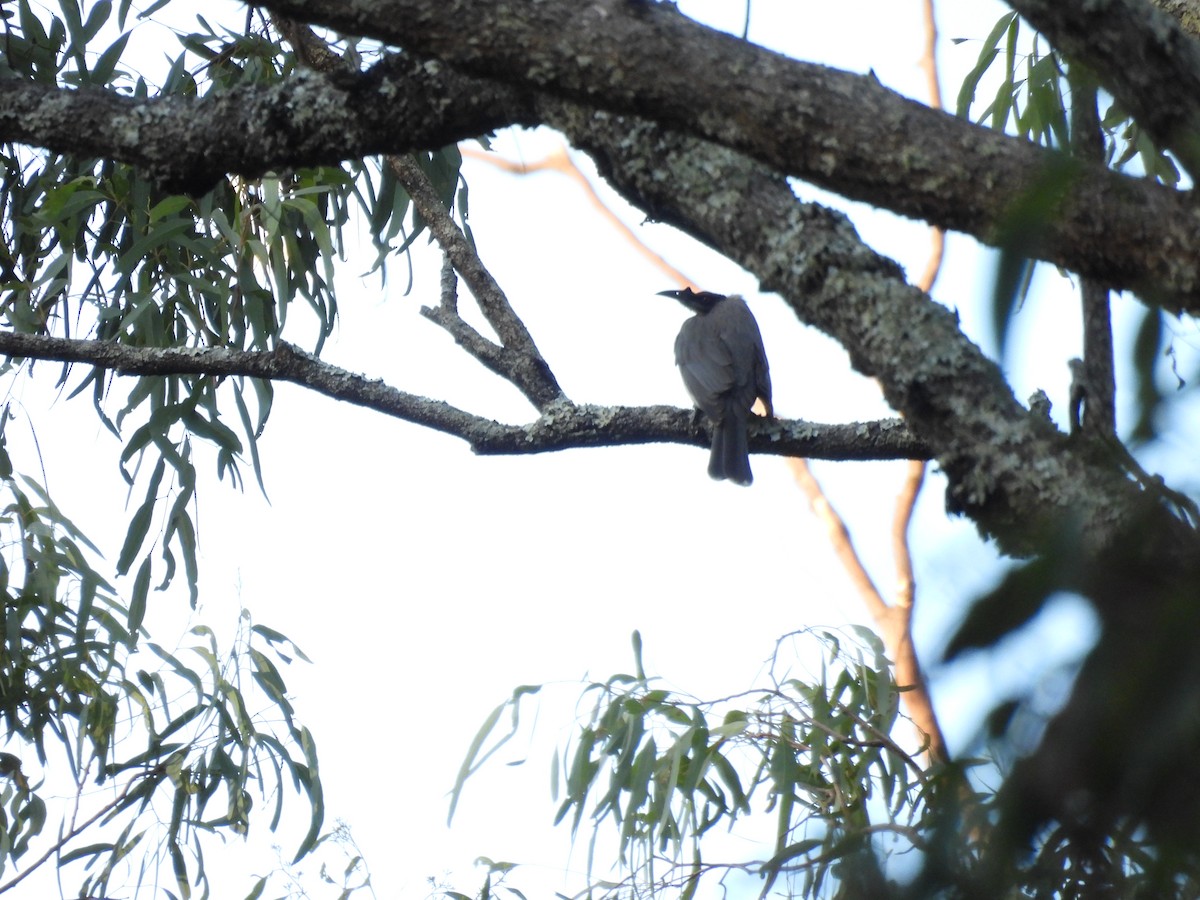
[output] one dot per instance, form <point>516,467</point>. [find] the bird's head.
<point>696,301</point>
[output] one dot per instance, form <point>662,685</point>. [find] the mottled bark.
<point>841,131</point>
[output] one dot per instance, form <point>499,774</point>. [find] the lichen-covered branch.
<point>890,152</point>
<point>314,118</point>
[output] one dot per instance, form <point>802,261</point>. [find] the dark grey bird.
<point>720,354</point>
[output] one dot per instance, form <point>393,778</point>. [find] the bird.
<point>721,357</point>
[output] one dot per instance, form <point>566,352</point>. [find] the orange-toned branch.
<point>894,622</point>
<point>839,537</point>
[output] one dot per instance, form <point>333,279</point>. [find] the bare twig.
<point>519,359</point>
<point>75,831</point>
<point>493,356</point>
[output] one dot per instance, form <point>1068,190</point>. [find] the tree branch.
<point>891,152</point>
<point>314,118</point>
<point>519,359</point>
<point>76,830</point>
<point>562,426</point>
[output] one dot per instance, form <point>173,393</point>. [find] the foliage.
<point>90,247</point>
<point>341,868</point>
<point>813,755</point>
<point>809,770</point>
<point>1032,99</point>
<point>182,739</point>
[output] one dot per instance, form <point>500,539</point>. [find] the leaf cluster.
<point>188,737</point>
<point>849,811</point>
<point>813,756</point>
<point>1032,99</point>
<point>90,247</point>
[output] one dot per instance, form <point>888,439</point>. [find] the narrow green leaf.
<point>987,55</point>
<point>139,525</point>
<point>101,9</point>
<point>468,764</point>
<point>315,796</point>
<point>102,71</point>
<point>92,850</point>
<point>137,599</point>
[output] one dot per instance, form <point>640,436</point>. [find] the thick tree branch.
<point>187,145</point>
<point>562,426</point>
<point>1141,54</point>
<point>891,152</point>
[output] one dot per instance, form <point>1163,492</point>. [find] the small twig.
<point>491,355</point>
<point>445,314</point>
<point>520,362</point>
<point>75,832</point>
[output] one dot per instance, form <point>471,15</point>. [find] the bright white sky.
<point>426,583</point>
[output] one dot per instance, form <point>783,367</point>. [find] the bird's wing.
<point>706,364</point>
<point>750,376</point>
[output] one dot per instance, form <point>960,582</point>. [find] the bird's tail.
<point>730,457</point>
